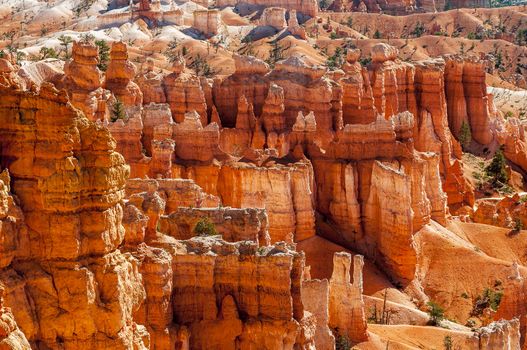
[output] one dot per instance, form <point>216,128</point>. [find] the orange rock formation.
<point>99,239</point>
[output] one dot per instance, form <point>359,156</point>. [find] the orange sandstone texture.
<point>97,219</point>
<point>70,188</point>
<point>119,74</point>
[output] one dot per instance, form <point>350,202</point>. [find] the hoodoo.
<point>263,175</point>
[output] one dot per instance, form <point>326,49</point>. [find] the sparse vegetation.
<point>10,37</point>
<point>364,61</point>
<point>65,41</point>
<point>201,67</point>
<point>462,48</point>
<point>419,30</point>
<point>83,6</point>
<point>465,135</point>
<point>48,52</point>
<point>104,54</point>
<point>385,313</point>
<point>521,36</point>
<point>205,227</point>
<point>448,343</point>
<point>436,313</point>
<point>498,63</point>
<point>117,111</point>
<point>497,171</point>
<point>336,60</point>
<point>471,323</point>
<point>275,54</point>
<point>171,52</point>
<point>490,299</point>
<point>342,342</point>
<point>86,38</point>
<point>518,225</point>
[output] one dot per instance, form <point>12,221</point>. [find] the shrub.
<point>65,40</point>
<point>117,111</point>
<point>342,342</point>
<point>201,67</point>
<point>436,313</point>
<point>86,38</point>
<point>496,169</point>
<point>499,60</point>
<point>470,323</point>
<point>48,52</point>
<point>104,54</point>
<point>205,227</point>
<point>365,61</point>
<point>419,30</point>
<point>377,35</point>
<point>518,225</point>
<point>465,136</point>
<point>276,53</point>
<point>491,298</point>
<point>335,61</point>
<point>448,343</point>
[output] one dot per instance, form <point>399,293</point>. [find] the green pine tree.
<point>465,136</point>
<point>117,111</point>
<point>65,41</point>
<point>104,54</point>
<point>436,313</point>
<point>204,227</point>
<point>497,169</point>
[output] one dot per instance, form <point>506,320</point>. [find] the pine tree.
<point>65,40</point>
<point>496,169</point>
<point>436,313</point>
<point>275,54</point>
<point>118,111</point>
<point>465,136</point>
<point>104,54</point>
<point>204,227</point>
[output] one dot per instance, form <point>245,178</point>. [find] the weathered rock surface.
<point>69,186</point>
<point>184,93</point>
<point>467,98</point>
<point>232,224</point>
<point>363,156</point>
<point>10,335</point>
<point>83,80</point>
<point>315,297</point>
<point>273,17</point>
<point>119,75</point>
<point>265,290</point>
<point>208,22</point>
<point>151,84</point>
<point>346,306</point>
<point>306,7</point>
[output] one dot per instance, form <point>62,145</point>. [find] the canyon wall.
<point>268,157</point>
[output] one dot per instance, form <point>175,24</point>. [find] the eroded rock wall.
<point>70,187</point>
